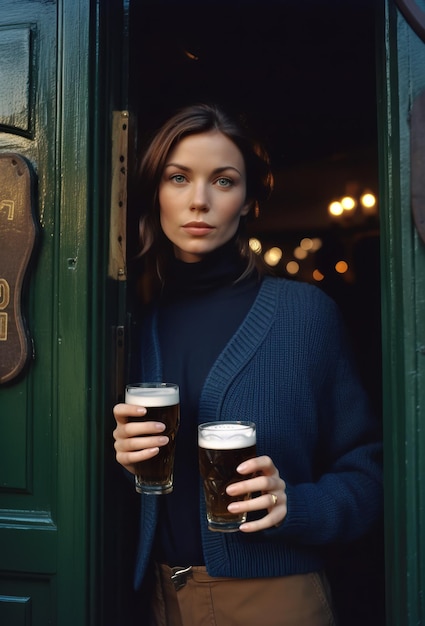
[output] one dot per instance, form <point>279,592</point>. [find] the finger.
<point>130,430</point>
<point>136,440</point>
<point>268,521</point>
<point>134,450</point>
<point>122,412</point>
<point>130,420</point>
<point>257,484</point>
<point>277,510</point>
<point>263,502</point>
<point>263,464</point>
<point>133,444</point>
<point>129,459</point>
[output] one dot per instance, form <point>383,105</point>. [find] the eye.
<point>178,178</point>
<point>224,182</point>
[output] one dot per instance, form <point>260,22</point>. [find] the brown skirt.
<point>302,600</point>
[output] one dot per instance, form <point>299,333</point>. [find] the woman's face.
<point>202,194</point>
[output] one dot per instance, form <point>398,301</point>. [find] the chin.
<point>194,255</point>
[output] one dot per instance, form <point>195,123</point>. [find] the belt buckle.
<point>179,576</point>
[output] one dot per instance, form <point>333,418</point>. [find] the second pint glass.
<point>162,401</point>
<point>222,447</point>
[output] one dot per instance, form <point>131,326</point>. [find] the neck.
<point>222,266</point>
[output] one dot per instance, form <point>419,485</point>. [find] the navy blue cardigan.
<point>289,369</point>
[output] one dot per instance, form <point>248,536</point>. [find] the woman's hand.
<point>136,441</point>
<point>272,494</point>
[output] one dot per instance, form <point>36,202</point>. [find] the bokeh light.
<point>317,275</point>
<point>341,267</point>
<point>306,243</point>
<point>255,245</point>
<point>336,208</point>
<point>299,253</point>
<point>292,267</point>
<point>348,203</point>
<point>273,256</point>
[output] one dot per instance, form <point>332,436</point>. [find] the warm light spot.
<point>348,203</point>
<point>191,56</point>
<point>273,256</point>
<point>341,267</point>
<point>292,267</point>
<point>318,275</point>
<point>368,200</point>
<point>336,208</point>
<point>317,244</point>
<point>255,245</point>
<point>300,254</point>
<point>306,243</point>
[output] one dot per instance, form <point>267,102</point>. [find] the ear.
<point>247,207</point>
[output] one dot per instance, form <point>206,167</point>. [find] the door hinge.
<point>117,266</point>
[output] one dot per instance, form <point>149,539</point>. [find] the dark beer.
<point>155,475</point>
<point>222,447</point>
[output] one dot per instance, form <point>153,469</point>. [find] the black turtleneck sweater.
<point>200,309</point>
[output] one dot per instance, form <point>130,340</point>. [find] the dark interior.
<point>303,74</point>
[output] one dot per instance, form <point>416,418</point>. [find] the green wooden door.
<point>403,299</point>
<point>62,73</point>
<point>47,416</point>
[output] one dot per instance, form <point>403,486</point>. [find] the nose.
<point>200,199</point>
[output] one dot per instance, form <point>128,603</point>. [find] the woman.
<point>244,345</point>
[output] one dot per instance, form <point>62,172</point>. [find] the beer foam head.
<point>152,396</point>
<point>226,436</point>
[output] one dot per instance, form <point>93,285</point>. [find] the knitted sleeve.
<point>345,499</point>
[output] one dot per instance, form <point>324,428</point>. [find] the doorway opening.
<point>303,75</point>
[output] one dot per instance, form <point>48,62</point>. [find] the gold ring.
<point>274,496</point>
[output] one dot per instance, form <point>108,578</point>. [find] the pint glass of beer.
<point>162,401</point>
<point>222,447</point>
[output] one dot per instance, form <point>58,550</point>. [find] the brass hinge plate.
<point>117,267</point>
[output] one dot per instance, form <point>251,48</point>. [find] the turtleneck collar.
<point>221,267</point>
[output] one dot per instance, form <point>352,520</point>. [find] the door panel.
<point>29,602</point>
<point>44,421</point>
<point>27,529</point>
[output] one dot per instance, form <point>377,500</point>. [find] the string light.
<point>292,267</point>
<point>335,208</point>
<point>255,245</point>
<point>306,243</point>
<point>341,267</point>
<point>299,253</point>
<point>317,275</point>
<point>352,208</point>
<point>191,55</point>
<point>273,256</point>
<point>348,203</point>
<point>368,202</point>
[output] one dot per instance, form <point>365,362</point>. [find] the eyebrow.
<point>218,170</point>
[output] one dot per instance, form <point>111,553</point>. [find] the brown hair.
<point>193,120</point>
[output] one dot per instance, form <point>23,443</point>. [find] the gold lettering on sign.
<point>3,326</point>
<point>4,294</point>
<point>10,206</point>
<point>4,302</point>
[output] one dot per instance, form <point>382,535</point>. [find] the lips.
<point>198,228</point>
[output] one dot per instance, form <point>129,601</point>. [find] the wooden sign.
<point>18,233</point>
